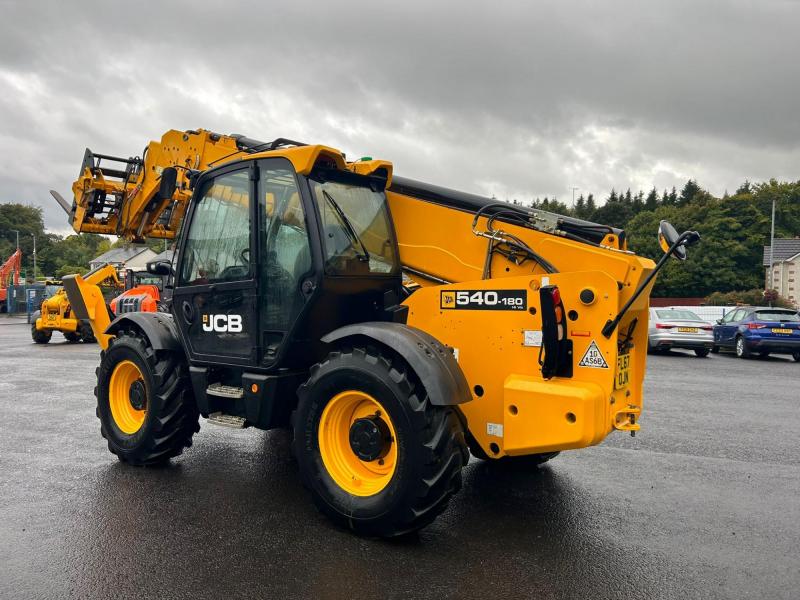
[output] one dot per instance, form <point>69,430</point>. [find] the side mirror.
<point>160,267</point>
<point>720,321</point>
<point>168,183</point>
<point>668,238</point>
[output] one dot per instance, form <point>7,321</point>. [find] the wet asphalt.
<point>703,503</point>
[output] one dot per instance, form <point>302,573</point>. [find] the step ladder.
<point>224,420</point>
<point>225,391</point>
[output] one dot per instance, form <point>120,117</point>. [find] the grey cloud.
<point>518,99</point>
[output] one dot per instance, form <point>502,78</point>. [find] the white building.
<point>131,256</point>
<point>784,273</point>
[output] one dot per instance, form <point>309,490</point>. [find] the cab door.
<point>215,296</point>
<point>287,278</point>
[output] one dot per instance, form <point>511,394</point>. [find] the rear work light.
<point>555,353</point>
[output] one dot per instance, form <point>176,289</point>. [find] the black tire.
<point>86,333</point>
<point>740,347</point>
<point>714,349</point>
<point>171,417</point>
<point>701,352</point>
<point>515,463</point>
<point>796,355</point>
<point>72,336</point>
<point>431,449</point>
<point>40,336</point>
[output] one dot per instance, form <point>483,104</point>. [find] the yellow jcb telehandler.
<point>56,314</point>
<point>394,325</point>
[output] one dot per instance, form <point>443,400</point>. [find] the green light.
<point>365,158</point>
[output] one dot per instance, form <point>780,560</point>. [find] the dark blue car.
<point>759,330</point>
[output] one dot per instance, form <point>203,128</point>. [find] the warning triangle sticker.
<point>593,358</point>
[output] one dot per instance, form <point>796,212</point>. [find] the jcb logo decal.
<point>448,299</point>
<point>222,323</point>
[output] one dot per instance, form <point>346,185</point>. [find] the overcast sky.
<point>515,99</point>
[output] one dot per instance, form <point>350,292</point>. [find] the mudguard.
<point>159,328</point>
<point>432,361</point>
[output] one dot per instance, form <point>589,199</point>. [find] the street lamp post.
<point>17,232</point>
<point>573,196</point>
<point>772,250</point>
<point>34,257</point>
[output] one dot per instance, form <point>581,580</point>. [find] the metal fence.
<point>25,299</point>
<point>708,313</point>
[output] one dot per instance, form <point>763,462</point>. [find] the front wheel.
<point>377,456</point>
<point>796,355</point>
<point>741,348</point>
<point>701,352</point>
<point>144,401</point>
<point>40,336</point>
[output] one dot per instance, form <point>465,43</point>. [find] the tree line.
<point>734,230</point>
<point>56,255</point>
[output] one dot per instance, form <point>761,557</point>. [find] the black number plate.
<point>484,299</point>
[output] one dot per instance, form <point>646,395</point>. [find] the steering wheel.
<point>245,259</point>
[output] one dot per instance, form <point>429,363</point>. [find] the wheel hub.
<point>137,395</point>
<point>370,438</point>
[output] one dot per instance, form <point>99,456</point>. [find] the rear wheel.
<point>701,352</point>
<point>796,355</point>
<point>741,348</point>
<point>86,333</point>
<point>377,456</point>
<point>144,401</point>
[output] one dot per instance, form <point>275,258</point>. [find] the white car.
<point>679,328</point>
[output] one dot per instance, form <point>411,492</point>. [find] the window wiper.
<point>351,232</point>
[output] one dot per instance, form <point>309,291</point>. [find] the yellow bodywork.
<point>518,411</point>
<point>57,313</point>
<point>514,410</point>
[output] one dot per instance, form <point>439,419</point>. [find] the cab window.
<point>217,244</point>
<point>356,228</point>
<point>285,251</point>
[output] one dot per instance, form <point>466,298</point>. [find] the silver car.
<point>679,328</point>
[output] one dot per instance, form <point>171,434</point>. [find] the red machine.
<point>9,275</point>
<point>142,293</point>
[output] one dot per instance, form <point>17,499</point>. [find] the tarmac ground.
<point>702,503</point>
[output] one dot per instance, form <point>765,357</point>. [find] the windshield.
<point>148,279</point>
<point>355,225</point>
<point>677,315</point>
<point>777,315</point>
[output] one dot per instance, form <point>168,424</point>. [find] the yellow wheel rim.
<point>126,388</point>
<point>353,475</point>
